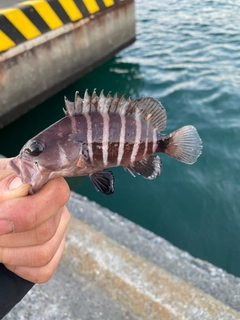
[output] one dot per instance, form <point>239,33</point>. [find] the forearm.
<point>12,289</point>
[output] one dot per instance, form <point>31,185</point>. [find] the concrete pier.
<point>46,45</point>
<point>114,269</point>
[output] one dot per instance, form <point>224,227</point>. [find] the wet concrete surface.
<point>114,269</point>
<point>201,274</point>
<point>67,296</point>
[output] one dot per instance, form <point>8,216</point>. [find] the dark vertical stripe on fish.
<point>97,138</point>
<point>61,127</point>
<point>150,140</point>
<point>79,133</point>
<point>105,139</point>
<point>74,125</point>
<point>89,135</point>
<point>114,138</point>
<point>130,137</point>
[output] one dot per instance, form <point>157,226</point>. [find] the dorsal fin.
<point>149,109</point>
<point>77,103</point>
<point>69,107</point>
<point>102,104</point>
<point>153,111</point>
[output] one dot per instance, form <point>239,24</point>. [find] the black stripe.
<point>35,18</point>
<point>141,147</point>
<point>101,4</point>
<point>150,140</point>
<point>81,135</point>
<point>10,30</point>
<point>81,6</point>
<point>130,138</point>
<point>59,11</point>
<point>115,125</point>
<point>97,137</point>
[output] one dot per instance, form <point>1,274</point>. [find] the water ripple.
<point>189,57</point>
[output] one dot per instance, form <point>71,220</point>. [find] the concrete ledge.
<point>201,274</point>
<point>99,278</point>
<point>149,291</point>
<point>36,69</point>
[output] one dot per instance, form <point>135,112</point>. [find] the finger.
<point>40,235</point>
<point>11,186</point>
<point>4,164</point>
<point>35,256</point>
<point>40,274</point>
<point>29,212</point>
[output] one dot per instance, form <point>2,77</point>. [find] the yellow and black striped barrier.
<point>30,19</point>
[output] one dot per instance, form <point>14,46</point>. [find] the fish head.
<point>48,155</point>
<point>28,167</point>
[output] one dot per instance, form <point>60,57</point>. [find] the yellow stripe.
<point>5,41</point>
<point>46,12</point>
<point>71,9</point>
<point>108,3</point>
<point>91,5</point>
<point>21,22</point>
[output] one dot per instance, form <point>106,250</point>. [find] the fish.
<point>100,132</point>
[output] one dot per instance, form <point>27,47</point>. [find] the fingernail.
<point>5,227</point>
<point>15,183</point>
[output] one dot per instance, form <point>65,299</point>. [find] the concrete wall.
<point>35,69</point>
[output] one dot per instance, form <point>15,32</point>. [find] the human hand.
<point>32,227</point>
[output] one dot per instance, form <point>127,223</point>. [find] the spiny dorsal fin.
<point>69,107</point>
<point>77,103</point>
<point>102,104</point>
<point>86,103</point>
<point>153,111</point>
<point>150,109</point>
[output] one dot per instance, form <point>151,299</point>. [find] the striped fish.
<point>99,132</point>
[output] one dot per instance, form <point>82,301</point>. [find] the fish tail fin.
<point>184,144</point>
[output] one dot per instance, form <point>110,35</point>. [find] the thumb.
<point>11,186</point>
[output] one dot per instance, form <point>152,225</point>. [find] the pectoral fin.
<point>149,168</point>
<point>103,181</point>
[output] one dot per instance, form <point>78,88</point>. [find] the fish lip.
<point>13,164</point>
<point>25,170</point>
<point>30,172</point>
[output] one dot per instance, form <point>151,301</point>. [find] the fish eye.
<point>35,148</point>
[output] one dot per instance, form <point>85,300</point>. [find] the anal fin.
<point>149,168</point>
<point>103,181</point>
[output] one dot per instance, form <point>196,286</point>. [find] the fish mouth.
<point>14,164</point>
<point>23,169</point>
<point>29,172</point>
